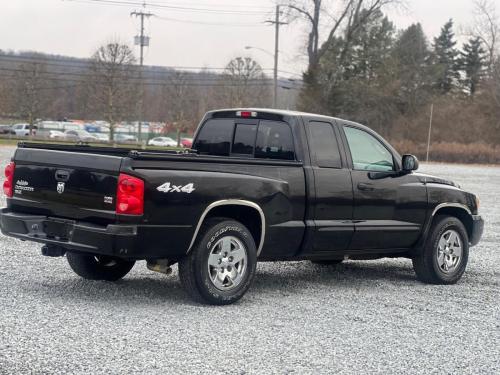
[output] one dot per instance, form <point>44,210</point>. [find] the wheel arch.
<point>461,212</point>
<point>246,212</point>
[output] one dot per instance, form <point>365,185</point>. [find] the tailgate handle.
<point>62,175</point>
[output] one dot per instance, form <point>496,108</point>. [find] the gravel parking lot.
<point>359,317</point>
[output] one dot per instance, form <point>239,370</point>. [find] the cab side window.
<point>324,145</point>
<point>274,141</point>
<point>215,137</point>
<point>244,139</point>
<point>367,152</point>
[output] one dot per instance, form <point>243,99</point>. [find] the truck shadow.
<point>292,276</point>
<point>143,288</point>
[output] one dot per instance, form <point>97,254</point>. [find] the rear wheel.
<point>446,252</point>
<point>221,265</point>
<point>99,267</point>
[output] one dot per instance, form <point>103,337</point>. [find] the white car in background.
<point>79,136</point>
<point>22,130</point>
<point>56,134</point>
<point>162,142</point>
<point>101,137</point>
<point>124,138</point>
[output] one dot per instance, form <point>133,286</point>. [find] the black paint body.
<point>310,212</point>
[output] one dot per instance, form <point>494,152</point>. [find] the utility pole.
<point>276,55</point>
<point>142,41</point>
<point>277,25</point>
<point>429,134</point>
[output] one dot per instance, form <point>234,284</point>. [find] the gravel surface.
<point>359,317</point>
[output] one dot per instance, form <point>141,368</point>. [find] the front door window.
<point>367,152</point>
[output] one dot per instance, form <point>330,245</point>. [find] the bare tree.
<point>113,83</point>
<point>4,98</point>
<point>28,92</point>
<point>486,27</point>
<point>349,16</point>
<point>246,83</point>
<point>180,103</point>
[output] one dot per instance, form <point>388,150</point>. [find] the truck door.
<point>389,206</point>
<point>333,203</point>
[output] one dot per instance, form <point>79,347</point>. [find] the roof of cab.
<point>285,112</point>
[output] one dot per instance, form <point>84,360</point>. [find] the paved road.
<point>360,317</point>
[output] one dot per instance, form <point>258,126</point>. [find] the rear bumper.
<point>126,241</point>
<point>477,229</point>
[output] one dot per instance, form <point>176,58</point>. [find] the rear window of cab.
<point>261,139</point>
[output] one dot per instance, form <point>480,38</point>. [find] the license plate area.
<point>57,229</point>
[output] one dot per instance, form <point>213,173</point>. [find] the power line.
<point>175,8</point>
<point>124,81</point>
<point>164,81</point>
<point>186,3</point>
<point>212,23</point>
<point>85,63</point>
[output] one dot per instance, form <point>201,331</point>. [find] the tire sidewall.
<point>203,248</point>
<point>442,226</point>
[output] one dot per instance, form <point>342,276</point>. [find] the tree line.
<point>110,86</point>
<point>368,71</point>
<point>360,67</point>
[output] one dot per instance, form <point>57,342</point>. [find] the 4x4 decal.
<point>167,187</point>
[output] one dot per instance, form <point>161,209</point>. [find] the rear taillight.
<point>9,179</point>
<point>129,195</point>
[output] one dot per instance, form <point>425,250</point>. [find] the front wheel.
<point>99,267</point>
<point>445,254</point>
<point>221,265</point>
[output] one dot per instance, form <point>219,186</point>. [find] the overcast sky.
<point>184,37</point>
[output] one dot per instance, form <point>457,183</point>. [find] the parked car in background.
<point>56,134</point>
<point>187,142</point>
<point>79,136</point>
<point>101,137</point>
<point>162,142</point>
<point>22,130</point>
<point>5,129</point>
<point>125,138</point>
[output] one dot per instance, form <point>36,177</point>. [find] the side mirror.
<point>410,163</point>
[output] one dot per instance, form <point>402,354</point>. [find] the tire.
<point>99,267</point>
<point>438,263</point>
<point>332,262</point>
<point>209,273</point>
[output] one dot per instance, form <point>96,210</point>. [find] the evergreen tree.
<point>472,62</point>
<point>413,72</point>
<point>353,77</point>
<point>445,57</point>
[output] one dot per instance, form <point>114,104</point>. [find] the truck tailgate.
<point>66,184</point>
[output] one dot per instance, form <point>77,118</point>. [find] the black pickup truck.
<point>258,184</point>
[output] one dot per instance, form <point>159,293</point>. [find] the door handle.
<point>365,187</point>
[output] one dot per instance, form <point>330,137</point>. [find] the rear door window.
<point>324,145</point>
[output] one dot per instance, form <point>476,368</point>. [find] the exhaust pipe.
<point>160,265</point>
<point>53,251</point>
